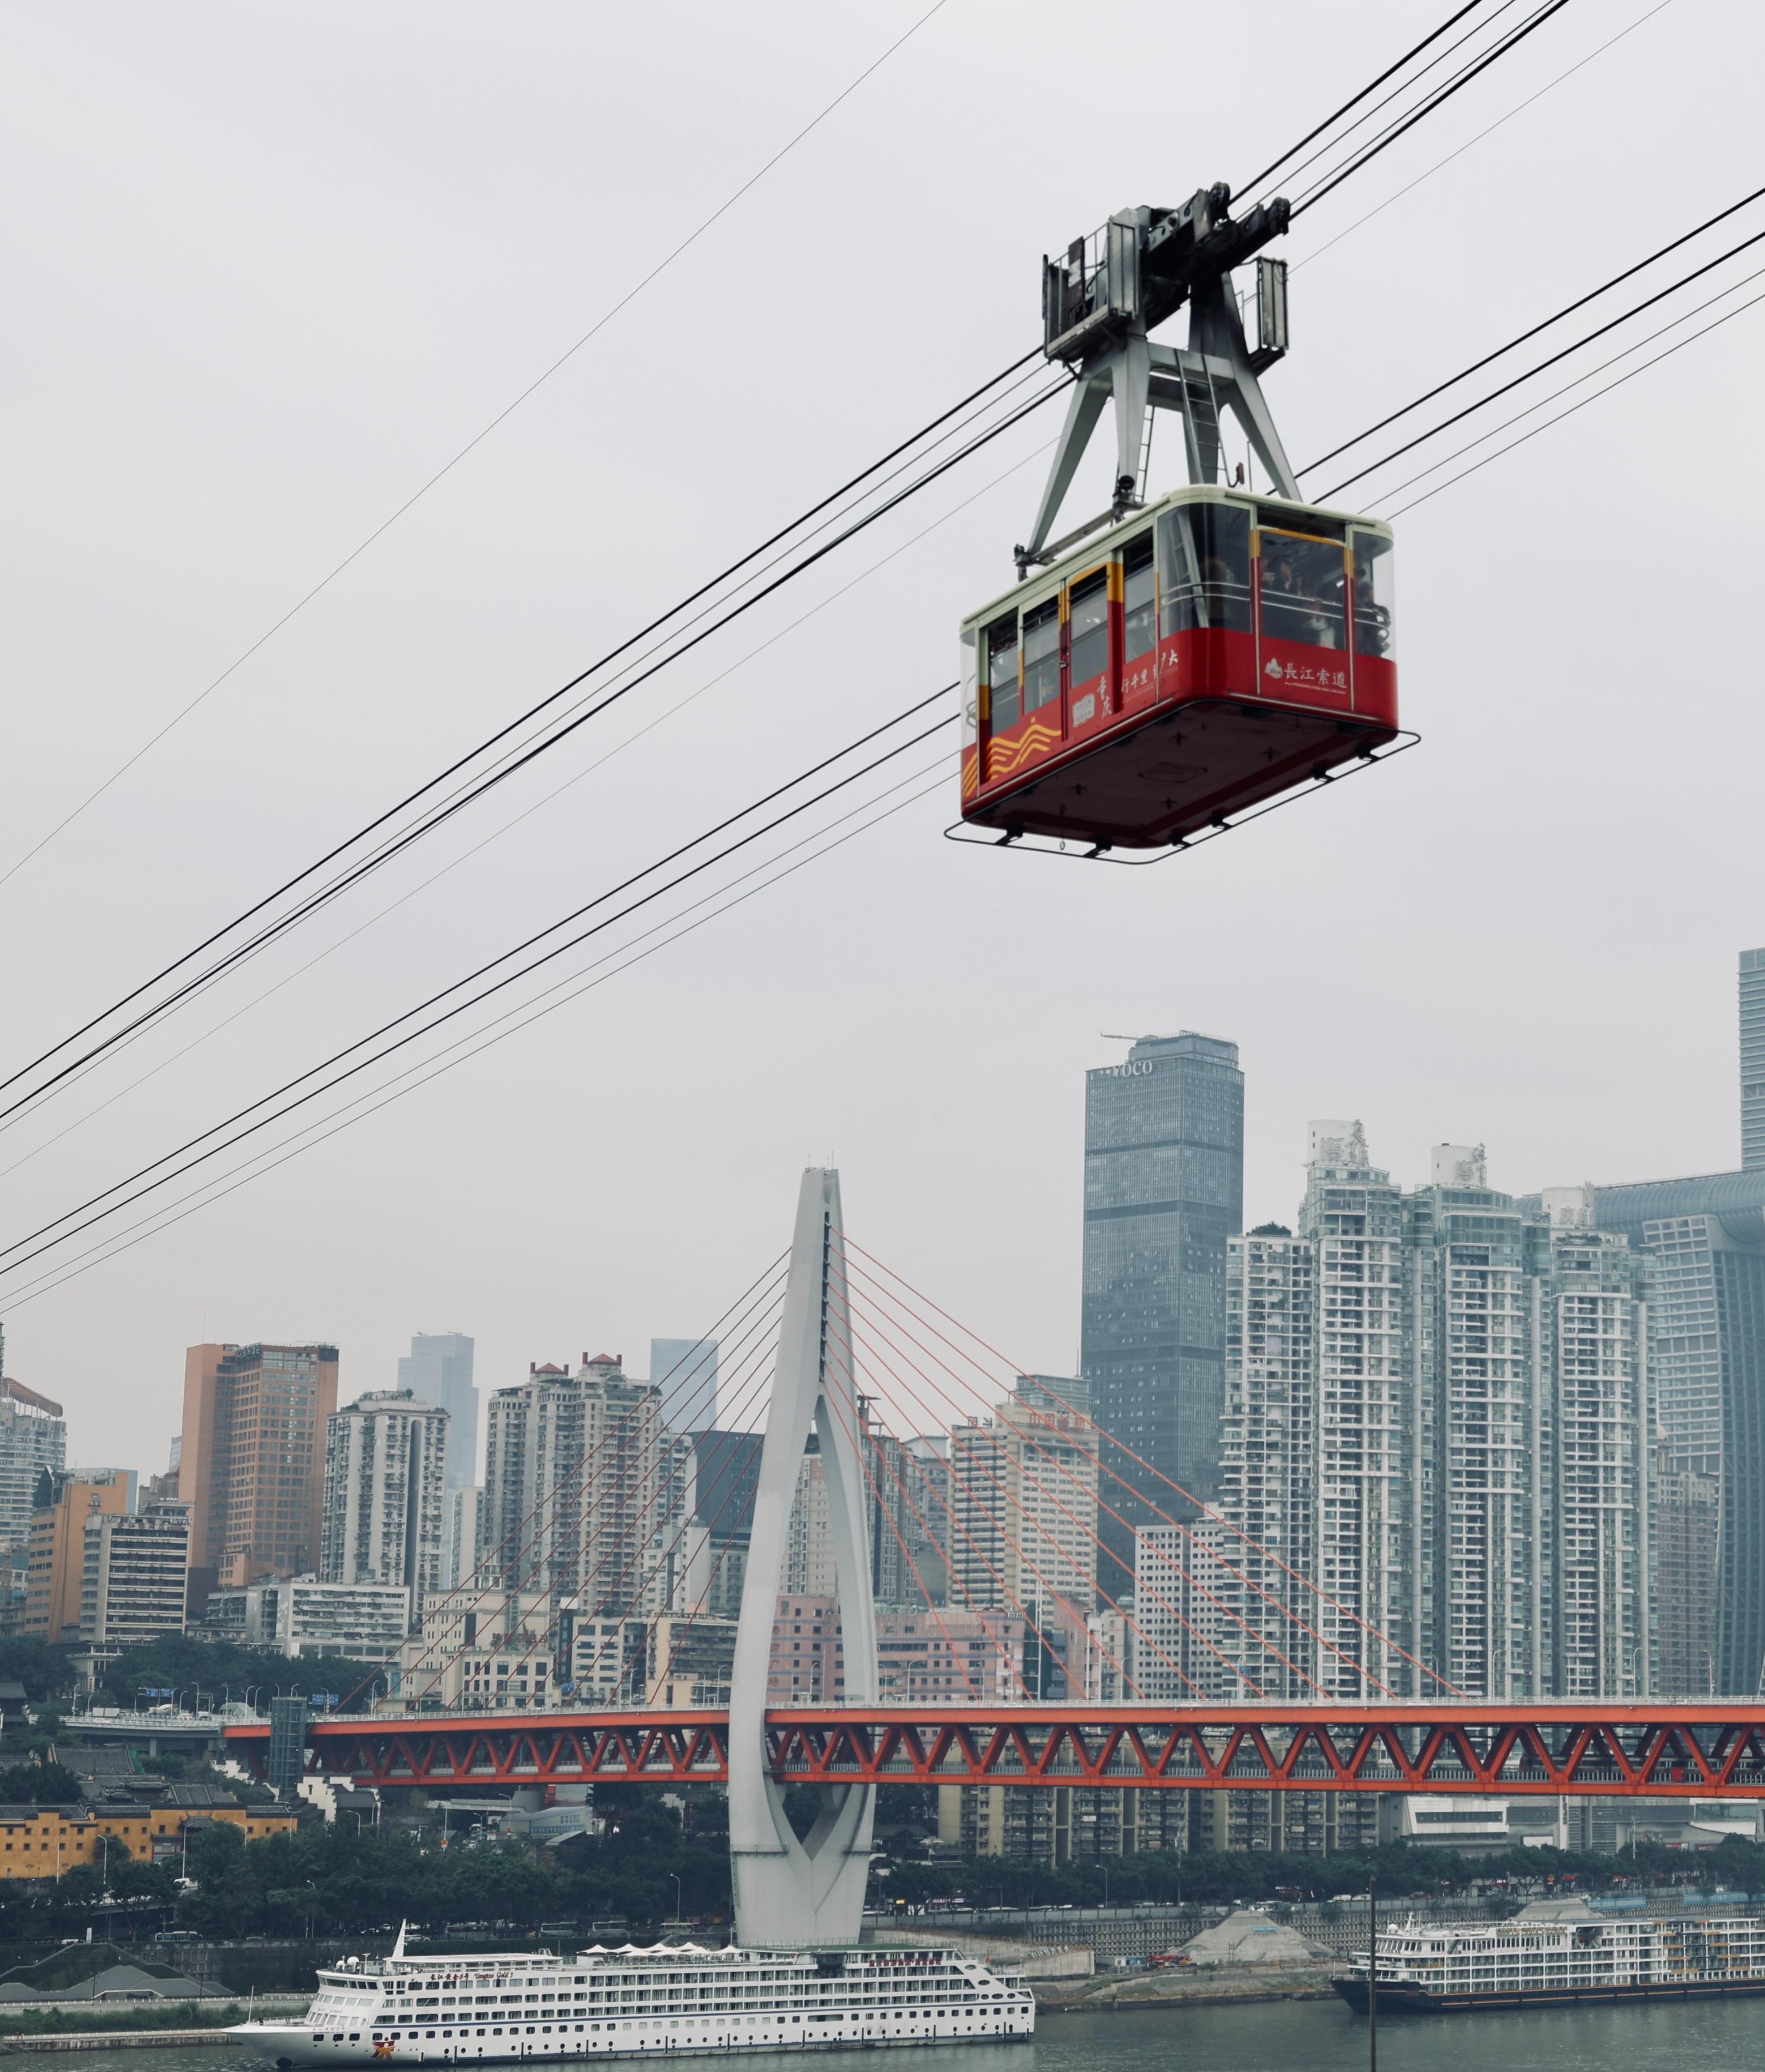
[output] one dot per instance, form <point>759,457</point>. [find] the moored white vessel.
<point>1561,1952</point>
<point>634,2002</point>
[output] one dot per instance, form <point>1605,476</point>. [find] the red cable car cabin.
<point>1202,656</point>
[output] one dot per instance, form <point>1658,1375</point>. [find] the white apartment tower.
<point>1433,1455</point>
<point>576,1486</point>
<point>386,1506</point>
<point>1364,1434</point>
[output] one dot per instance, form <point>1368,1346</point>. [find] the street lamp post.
<point>676,1876</point>
<point>1372,1977</point>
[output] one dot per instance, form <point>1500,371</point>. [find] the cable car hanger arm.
<point>1109,290</point>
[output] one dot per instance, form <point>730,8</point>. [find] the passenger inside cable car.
<point>1253,635</point>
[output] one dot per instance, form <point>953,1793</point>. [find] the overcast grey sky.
<point>268,267</point>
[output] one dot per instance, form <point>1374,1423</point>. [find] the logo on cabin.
<point>1273,669</point>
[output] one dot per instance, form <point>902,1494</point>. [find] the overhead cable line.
<point>65,1234</point>
<point>394,845</point>
<point>1383,143</point>
<point>1555,359</point>
<point>477,439</point>
<point>497,985</point>
<point>324,896</point>
<point>1458,150</point>
<point>1293,151</point>
<point>712,906</point>
<point>30,1105</point>
<point>1679,345</point>
<point>1397,93</point>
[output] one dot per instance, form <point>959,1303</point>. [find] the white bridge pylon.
<point>790,1893</point>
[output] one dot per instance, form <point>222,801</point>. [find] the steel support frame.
<point>1136,376</point>
<point>1693,1749</point>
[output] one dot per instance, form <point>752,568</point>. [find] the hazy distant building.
<point>33,1436</point>
<point>438,1370</point>
<point>1023,1496</point>
<point>1163,1191</point>
<point>1752,1006</point>
<point>574,1485</point>
<point>684,1370</point>
<point>1686,1552</point>
<point>253,1464</point>
<point>1706,1236</point>
<point>466,1552</point>
<point>385,1507</point>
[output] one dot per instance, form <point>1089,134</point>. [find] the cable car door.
<point>1303,586</point>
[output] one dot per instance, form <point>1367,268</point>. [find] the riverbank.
<point>1217,1985</point>
<point>71,2024</point>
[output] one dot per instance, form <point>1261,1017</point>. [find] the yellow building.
<point>43,1841</point>
<point>61,1507</point>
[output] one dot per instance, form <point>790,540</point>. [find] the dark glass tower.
<point>1752,1004</point>
<point>1163,1190</point>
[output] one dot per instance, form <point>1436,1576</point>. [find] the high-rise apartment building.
<point>386,1506</point>
<point>1686,1556</point>
<point>135,1575</point>
<point>574,1487</point>
<point>251,1468</point>
<point>684,1370</point>
<point>1752,1006</point>
<point>33,1436</point>
<point>438,1370</point>
<point>1433,1449</point>
<point>465,1548</point>
<point>1023,1529</point>
<point>810,1569</point>
<point>65,1504</point>
<point>1163,1191</point>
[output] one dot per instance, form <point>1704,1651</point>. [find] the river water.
<point>1277,2036</point>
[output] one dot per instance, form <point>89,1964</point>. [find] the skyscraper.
<point>438,1370</point>
<point>32,1438</point>
<point>686,1371</point>
<point>1707,1335</point>
<point>385,1494</point>
<point>1752,1005</point>
<point>251,1468</point>
<point>1163,1191</point>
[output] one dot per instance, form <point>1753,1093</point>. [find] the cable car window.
<point>1002,674</point>
<point>1375,596</point>
<point>1204,567</point>
<point>1042,655</point>
<point>1088,620</point>
<point>1303,590</point>
<point>1139,597</point>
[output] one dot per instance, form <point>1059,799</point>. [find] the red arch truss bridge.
<point>1701,1748</point>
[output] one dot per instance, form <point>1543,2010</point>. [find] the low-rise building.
<point>43,1841</point>
<point>305,1617</point>
<point>135,1575</point>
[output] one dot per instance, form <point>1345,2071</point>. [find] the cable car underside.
<point>1169,669</point>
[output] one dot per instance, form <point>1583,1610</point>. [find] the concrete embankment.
<point>73,2036</point>
<point>1181,1987</point>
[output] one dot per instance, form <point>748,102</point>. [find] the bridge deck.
<point>1701,1749</point>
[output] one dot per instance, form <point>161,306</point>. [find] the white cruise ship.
<point>632,2002</point>
<point>1559,1951</point>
